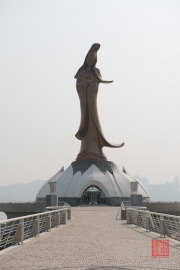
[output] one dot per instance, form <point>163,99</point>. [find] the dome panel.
<point>116,192</point>
<point>71,189</point>
<point>93,176</point>
<point>45,189</point>
<point>122,181</point>
<point>64,181</point>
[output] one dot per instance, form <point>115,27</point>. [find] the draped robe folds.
<point>90,132</point>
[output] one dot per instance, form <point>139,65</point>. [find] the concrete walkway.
<point>93,240</point>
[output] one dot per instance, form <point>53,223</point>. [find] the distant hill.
<point>169,191</point>
<point>20,192</point>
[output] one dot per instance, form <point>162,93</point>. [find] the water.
<point>2,216</point>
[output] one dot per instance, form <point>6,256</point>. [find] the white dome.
<point>115,185</point>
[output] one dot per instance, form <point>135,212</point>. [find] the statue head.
<point>91,57</point>
<point>90,63</point>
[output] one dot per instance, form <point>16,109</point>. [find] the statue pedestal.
<point>84,165</point>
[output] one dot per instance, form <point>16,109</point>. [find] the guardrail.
<point>122,211</point>
<point>163,224</point>
<point>125,204</point>
<point>16,230</point>
<point>61,207</point>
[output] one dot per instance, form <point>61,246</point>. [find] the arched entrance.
<point>93,195</point>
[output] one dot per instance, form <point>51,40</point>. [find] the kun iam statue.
<point>90,132</point>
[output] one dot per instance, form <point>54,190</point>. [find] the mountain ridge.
<point>20,191</point>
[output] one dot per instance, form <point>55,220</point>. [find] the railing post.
<point>19,236</point>
<point>138,221</point>
<point>69,214</point>
<point>48,223</point>
<point>163,229</point>
<point>149,223</point>
<point>35,230</point>
<point>64,218</point>
<point>127,216</point>
<point>57,221</point>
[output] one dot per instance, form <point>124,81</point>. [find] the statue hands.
<point>87,82</point>
<point>84,82</point>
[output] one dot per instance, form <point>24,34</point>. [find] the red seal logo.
<point>160,248</point>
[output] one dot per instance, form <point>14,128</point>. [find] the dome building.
<point>92,182</point>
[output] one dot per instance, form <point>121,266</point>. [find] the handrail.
<point>33,215</point>
<point>16,230</point>
<point>163,224</point>
<point>155,213</point>
<point>52,208</point>
<point>163,202</point>
<point>125,204</point>
<point>58,207</point>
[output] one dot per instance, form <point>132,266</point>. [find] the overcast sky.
<point>42,45</point>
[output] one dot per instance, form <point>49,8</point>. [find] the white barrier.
<point>16,230</point>
<point>163,224</point>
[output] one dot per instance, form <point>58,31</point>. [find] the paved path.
<point>93,240</point>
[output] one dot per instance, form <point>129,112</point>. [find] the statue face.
<point>90,60</point>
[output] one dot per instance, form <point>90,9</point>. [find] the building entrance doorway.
<point>93,195</point>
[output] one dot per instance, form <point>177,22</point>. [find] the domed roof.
<point>69,185</point>
<point>44,190</point>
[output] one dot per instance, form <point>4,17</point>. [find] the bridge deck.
<point>94,240</point>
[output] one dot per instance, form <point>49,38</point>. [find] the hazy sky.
<point>42,45</point>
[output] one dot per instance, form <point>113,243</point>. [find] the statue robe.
<point>90,132</point>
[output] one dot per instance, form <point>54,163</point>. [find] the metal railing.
<point>163,224</point>
<point>125,204</point>
<point>16,230</point>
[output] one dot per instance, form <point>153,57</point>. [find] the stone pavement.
<point>93,240</point>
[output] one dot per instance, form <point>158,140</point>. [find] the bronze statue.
<point>90,132</point>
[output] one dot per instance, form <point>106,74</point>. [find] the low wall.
<point>172,208</point>
<point>18,209</point>
<point>111,201</point>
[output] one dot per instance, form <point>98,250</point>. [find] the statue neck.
<point>88,68</point>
